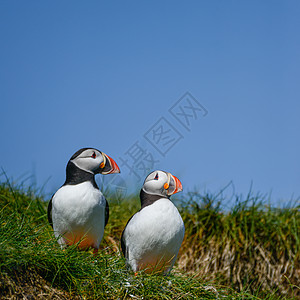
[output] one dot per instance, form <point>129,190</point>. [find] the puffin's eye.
<point>94,155</point>
<point>156,176</point>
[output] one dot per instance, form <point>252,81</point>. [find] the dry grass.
<point>228,266</point>
<point>26,284</point>
<point>252,246</point>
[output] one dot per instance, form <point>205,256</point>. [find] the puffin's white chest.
<point>78,213</point>
<point>154,235</point>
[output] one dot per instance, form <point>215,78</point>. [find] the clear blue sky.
<point>104,74</point>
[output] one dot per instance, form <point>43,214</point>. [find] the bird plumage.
<point>78,211</point>
<point>153,236</point>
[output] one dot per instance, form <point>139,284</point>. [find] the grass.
<point>249,252</point>
<point>252,245</point>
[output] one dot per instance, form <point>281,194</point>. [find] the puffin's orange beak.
<point>111,166</point>
<point>174,184</point>
<point>178,185</point>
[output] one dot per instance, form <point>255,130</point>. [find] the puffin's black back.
<point>49,212</point>
<point>123,244</point>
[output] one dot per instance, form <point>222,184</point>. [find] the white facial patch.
<point>89,160</point>
<point>154,183</point>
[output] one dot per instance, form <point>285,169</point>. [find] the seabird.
<point>78,211</point>
<point>153,236</point>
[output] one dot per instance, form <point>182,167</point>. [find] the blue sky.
<point>102,74</point>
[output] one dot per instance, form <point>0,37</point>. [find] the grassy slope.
<point>31,263</point>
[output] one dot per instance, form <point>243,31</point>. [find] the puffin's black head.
<point>94,161</point>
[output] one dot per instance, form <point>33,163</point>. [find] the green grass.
<point>224,255</point>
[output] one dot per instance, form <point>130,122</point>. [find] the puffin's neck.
<point>148,199</point>
<point>75,175</point>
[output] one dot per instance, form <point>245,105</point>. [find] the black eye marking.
<point>156,176</point>
<point>94,155</point>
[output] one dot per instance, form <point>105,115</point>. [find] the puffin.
<point>78,211</point>
<point>152,237</point>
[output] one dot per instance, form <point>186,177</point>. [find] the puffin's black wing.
<point>123,244</point>
<point>106,212</point>
<point>49,212</point>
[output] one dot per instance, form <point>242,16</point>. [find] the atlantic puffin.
<point>78,211</point>
<point>153,236</point>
